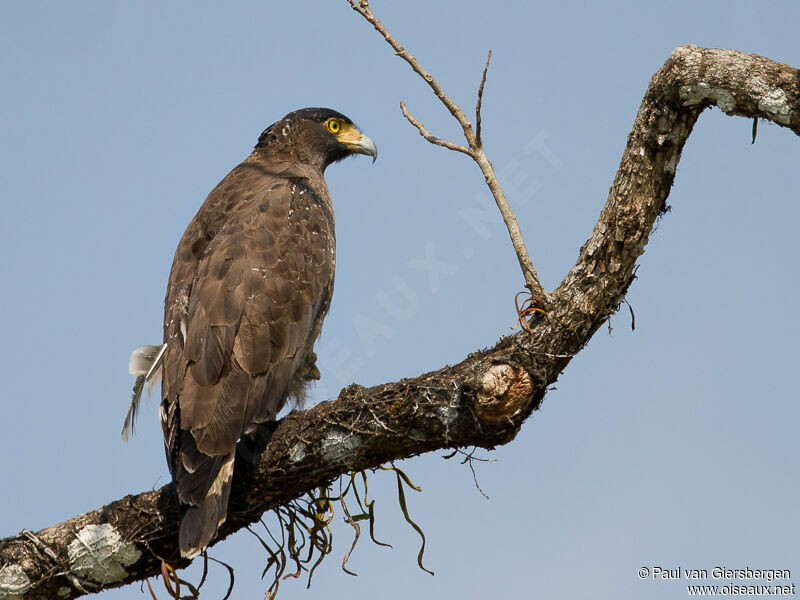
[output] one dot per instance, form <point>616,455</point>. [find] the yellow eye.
<point>333,125</point>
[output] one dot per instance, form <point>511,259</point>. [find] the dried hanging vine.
<point>304,536</point>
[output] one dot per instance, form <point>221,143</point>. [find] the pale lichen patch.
<point>695,94</point>
<point>339,446</point>
<point>777,106</point>
<point>597,239</point>
<point>725,101</point>
<point>672,164</point>
<point>297,452</point>
<point>13,582</point>
<point>100,554</point>
<point>449,414</point>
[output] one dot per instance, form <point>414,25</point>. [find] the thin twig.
<point>478,140</point>
<point>468,459</point>
<point>525,263</point>
<point>428,136</point>
<point>362,8</point>
<point>474,146</point>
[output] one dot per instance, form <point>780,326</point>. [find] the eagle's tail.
<point>199,523</point>
<point>145,365</point>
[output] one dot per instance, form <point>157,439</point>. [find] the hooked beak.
<point>361,144</point>
<point>368,147</point>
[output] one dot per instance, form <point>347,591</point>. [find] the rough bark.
<point>482,401</point>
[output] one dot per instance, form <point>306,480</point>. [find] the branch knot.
<point>502,393</point>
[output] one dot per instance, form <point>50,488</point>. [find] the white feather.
<point>145,365</point>
<point>143,358</point>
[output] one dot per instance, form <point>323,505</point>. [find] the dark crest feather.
<point>319,115</point>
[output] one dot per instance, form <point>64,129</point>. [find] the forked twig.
<point>474,147</point>
<point>427,134</point>
<point>480,101</point>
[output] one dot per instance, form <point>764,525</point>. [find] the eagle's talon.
<point>308,371</point>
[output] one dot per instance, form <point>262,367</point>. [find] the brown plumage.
<point>250,285</point>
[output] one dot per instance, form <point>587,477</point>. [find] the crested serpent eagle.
<point>249,287</point>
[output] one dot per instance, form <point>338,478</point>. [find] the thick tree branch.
<point>482,401</point>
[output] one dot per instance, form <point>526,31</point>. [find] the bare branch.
<point>473,141</point>
<point>478,141</point>
<point>431,138</point>
<point>362,8</point>
<point>530,274</point>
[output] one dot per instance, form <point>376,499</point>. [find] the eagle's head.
<point>316,136</point>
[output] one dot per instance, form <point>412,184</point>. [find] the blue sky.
<point>674,445</point>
